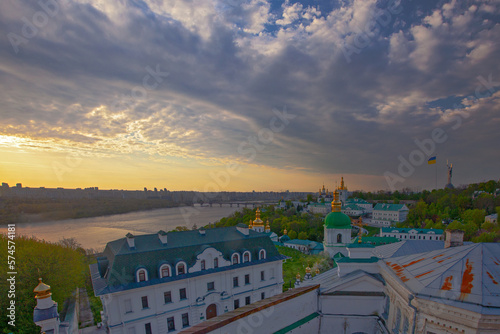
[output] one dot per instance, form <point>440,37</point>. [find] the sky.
<point>229,95</point>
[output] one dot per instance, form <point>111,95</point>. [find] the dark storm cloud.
<point>230,64</point>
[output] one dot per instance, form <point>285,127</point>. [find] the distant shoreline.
<point>13,210</point>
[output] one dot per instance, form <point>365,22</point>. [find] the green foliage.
<point>19,210</point>
<point>62,266</point>
<point>302,236</point>
<point>292,234</point>
<point>298,263</point>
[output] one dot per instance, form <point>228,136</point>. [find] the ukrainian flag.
<point>431,160</point>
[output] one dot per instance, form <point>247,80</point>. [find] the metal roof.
<point>389,207</point>
<point>408,229</point>
<point>465,276</point>
<point>407,247</point>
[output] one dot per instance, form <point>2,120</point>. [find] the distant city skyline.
<point>172,94</point>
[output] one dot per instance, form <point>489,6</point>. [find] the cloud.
<point>80,80</point>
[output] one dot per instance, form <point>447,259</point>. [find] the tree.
<point>475,216</point>
<point>303,236</point>
<point>292,234</point>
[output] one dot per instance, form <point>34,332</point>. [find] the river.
<point>95,232</point>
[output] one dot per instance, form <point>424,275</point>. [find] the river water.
<point>95,232</point>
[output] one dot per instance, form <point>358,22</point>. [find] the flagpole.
<point>436,176</point>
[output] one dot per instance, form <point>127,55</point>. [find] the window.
<point>170,324</point>
<point>247,279</point>
<point>216,263</point>
<point>167,297</point>
<point>339,238</point>
<point>181,269</point>
<point>144,301</point>
<point>128,306</point>
<point>182,294</point>
<point>262,275</point>
<point>185,320</point>
<point>202,264</point>
<point>142,275</point>
<point>235,259</point>
<point>210,286</point>
<point>165,271</point>
<point>263,295</point>
<point>147,328</point>
<point>235,282</point>
<point>247,300</point>
<point>262,254</point>
<point>236,303</point>
<point>246,257</point>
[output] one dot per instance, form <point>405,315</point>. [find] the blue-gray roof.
<point>115,271</point>
<point>50,313</point>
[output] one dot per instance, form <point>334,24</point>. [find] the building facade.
<point>389,214</point>
<point>167,282</point>
<point>412,233</point>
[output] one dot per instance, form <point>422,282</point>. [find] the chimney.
<point>130,240</point>
<point>454,238</point>
<point>162,235</point>
<point>202,231</point>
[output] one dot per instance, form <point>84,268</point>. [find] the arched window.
<point>246,257</point>
<point>236,259</point>
<point>262,254</point>
<point>181,268</point>
<point>216,263</point>
<point>142,275</point>
<point>339,238</point>
<point>165,271</point>
<point>203,265</point>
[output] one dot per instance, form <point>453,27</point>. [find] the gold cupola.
<point>336,204</point>
<point>42,290</point>
<point>258,221</point>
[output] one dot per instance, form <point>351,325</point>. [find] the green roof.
<point>408,229</point>
<point>298,323</point>
<point>119,263</point>
<point>352,206</point>
<point>349,260</point>
<point>377,241</point>
<point>389,207</point>
<point>356,201</point>
<point>337,220</point>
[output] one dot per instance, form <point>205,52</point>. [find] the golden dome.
<point>268,227</point>
<point>42,290</point>
<point>336,204</point>
<point>297,276</point>
<point>308,270</point>
<point>317,271</point>
<point>285,232</point>
<point>258,221</point>
<point>250,224</point>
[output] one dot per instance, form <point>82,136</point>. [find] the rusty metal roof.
<point>466,276</point>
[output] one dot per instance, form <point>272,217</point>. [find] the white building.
<point>366,206</point>
<point>389,214</point>
<point>321,208</point>
<point>165,282</point>
<point>441,291</point>
<point>352,210</point>
<point>337,229</point>
<point>258,226</point>
<point>412,233</point>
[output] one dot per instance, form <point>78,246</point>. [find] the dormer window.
<point>202,264</point>
<point>216,263</point>
<point>181,269</point>
<point>246,257</point>
<point>165,271</point>
<point>236,259</point>
<point>262,254</point>
<point>142,275</point>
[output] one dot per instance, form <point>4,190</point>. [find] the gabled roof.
<point>352,206</point>
<point>377,240</point>
<point>465,276</point>
<point>118,266</point>
<point>390,207</point>
<point>308,243</point>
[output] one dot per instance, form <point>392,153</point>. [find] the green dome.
<point>337,220</point>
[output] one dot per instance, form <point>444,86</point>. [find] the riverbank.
<point>15,210</point>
